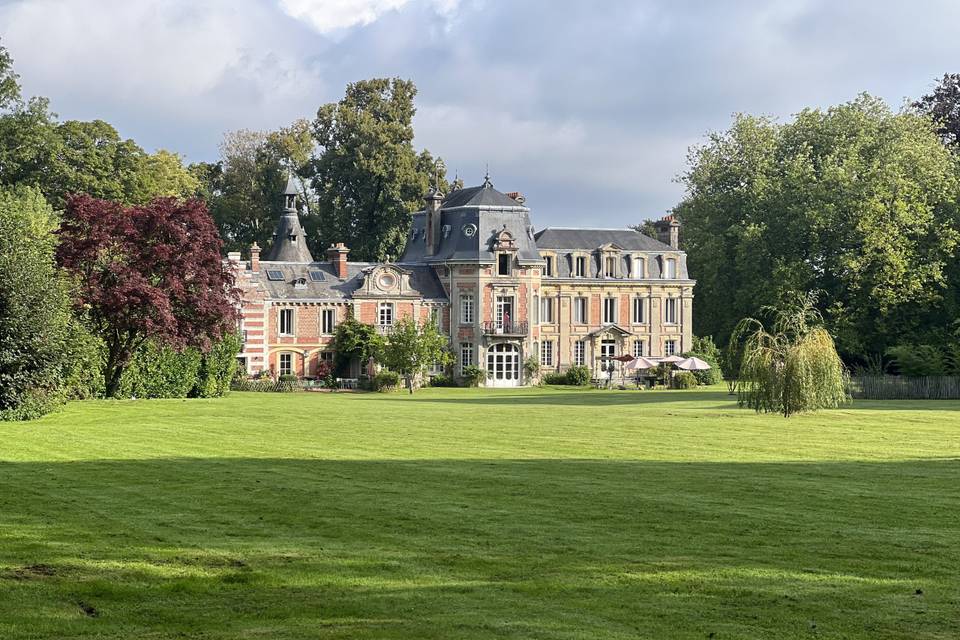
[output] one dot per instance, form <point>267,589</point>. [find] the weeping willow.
<point>793,369</point>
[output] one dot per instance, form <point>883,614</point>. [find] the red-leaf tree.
<point>150,272</point>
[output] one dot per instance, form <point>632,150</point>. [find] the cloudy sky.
<point>586,107</point>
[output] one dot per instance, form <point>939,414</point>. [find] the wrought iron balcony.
<point>505,328</point>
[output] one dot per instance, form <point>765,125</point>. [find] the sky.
<point>588,108</point>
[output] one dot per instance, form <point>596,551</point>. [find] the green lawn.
<point>480,514</point>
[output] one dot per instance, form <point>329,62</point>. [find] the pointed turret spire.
<point>289,240</point>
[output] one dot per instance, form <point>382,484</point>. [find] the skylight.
<point>316,276</point>
<point>274,274</point>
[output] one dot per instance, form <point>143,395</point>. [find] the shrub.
<point>441,380</point>
<point>917,360</point>
<point>706,350</point>
<point>685,380</point>
<point>386,381</point>
<point>217,368</point>
<point>531,366</point>
<point>554,377</point>
<point>473,376</point>
<point>287,377</point>
<point>578,375</point>
<point>159,372</point>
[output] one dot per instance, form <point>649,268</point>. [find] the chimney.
<point>337,255</point>
<point>516,195</point>
<point>255,257</point>
<point>668,231</point>
<point>433,200</point>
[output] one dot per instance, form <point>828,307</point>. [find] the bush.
<point>918,360</point>
<point>706,350</point>
<point>160,372</point>
<point>578,375</point>
<point>386,381</point>
<point>441,380</point>
<point>34,308</point>
<point>685,380</point>
<point>473,376</point>
<point>554,377</point>
<point>217,368</point>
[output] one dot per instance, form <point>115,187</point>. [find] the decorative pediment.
<point>503,240</point>
<point>610,247</point>
<point>612,330</point>
<point>386,280</point>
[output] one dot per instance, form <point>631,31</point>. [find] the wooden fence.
<point>904,388</point>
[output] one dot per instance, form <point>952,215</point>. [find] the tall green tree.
<point>855,202</point>
<point>34,307</point>
<point>410,349</point>
<point>367,175</point>
<point>9,84</point>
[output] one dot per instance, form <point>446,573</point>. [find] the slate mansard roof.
<point>470,220</point>
<point>330,287</point>
<point>565,242</point>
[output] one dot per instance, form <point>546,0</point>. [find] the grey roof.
<point>484,195</point>
<point>565,242</point>
<point>467,233</point>
<point>422,280</point>
<point>589,239</point>
<point>291,189</point>
<point>289,240</point>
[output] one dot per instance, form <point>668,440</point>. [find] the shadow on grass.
<point>478,548</point>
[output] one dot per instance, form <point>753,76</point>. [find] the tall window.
<point>385,314</point>
<point>328,321</point>
<point>466,308</point>
<point>610,267</point>
<point>435,318</point>
<point>286,322</point>
<point>637,310</point>
<point>546,310</point>
<point>580,310</point>
<point>609,310</point>
<point>548,267</point>
<point>639,267</point>
<point>670,269</point>
<point>670,347</point>
<point>466,355</point>
<point>580,266</point>
<point>546,353</point>
<point>638,348</point>
<point>670,311</point>
<point>579,353</point>
<point>286,364</point>
<point>503,264</point>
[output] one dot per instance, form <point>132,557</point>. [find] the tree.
<point>150,272</point>
<point>367,176</point>
<point>943,107</point>
<point>706,350</point>
<point>354,340</point>
<point>410,349</point>
<point>794,368</point>
<point>34,307</point>
<point>9,84</point>
<point>855,202</point>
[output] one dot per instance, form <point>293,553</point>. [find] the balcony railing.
<point>505,328</point>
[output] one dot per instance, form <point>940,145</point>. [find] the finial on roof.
<point>486,178</point>
<point>290,194</point>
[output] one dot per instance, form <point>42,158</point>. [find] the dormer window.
<point>548,266</point>
<point>300,283</point>
<point>610,267</point>
<point>670,268</point>
<point>292,237</point>
<point>639,267</point>
<point>503,264</point>
<point>580,266</point>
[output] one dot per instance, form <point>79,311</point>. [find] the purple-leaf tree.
<point>151,272</point>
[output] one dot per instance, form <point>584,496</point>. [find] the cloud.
<point>589,111</point>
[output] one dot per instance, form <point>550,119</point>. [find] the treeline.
<point>856,203</point>
<point>111,278</point>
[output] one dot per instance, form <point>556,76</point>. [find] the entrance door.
<point>503,364</point>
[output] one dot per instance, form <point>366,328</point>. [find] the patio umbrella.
<point>671,360</point>
<point>641,363</point>
<point>623,358</point>
<point>693,364</point>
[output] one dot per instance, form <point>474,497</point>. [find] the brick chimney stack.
<point>668,231</point>
<point>255,257</point>
<point>337,255</point>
